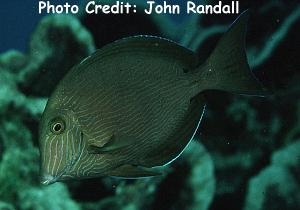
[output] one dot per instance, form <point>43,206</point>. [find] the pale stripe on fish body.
<point>136,104</point>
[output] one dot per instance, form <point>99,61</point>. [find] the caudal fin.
<point>227,67</point>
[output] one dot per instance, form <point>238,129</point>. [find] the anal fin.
<point>130,171</point>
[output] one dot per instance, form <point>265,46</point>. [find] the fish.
<point>135,104</point>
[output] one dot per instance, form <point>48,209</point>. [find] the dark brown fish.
<point>135,104</point>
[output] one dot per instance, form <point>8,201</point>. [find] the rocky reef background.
<point>246,154</point>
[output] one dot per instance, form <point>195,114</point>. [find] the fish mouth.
<point>48,179</point>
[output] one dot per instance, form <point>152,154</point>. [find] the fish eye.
<point>57,126</point>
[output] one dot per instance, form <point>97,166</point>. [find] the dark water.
<point>246,154</point>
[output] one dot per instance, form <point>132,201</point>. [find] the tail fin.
<point>227,67</point>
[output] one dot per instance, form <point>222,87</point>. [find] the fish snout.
<point>47,179</point>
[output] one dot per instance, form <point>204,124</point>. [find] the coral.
<point>6,206</point>
<point>259,56</point>
<point>10,95</point>
<point>198,188</point>
<point>56,38</point>
<point>135,194</point>
<point>19,179</point>
<point>15,164</point>
<point>277,186</point>
<point>55,197</point>
<point>58,43</point>
<point>13,60</point>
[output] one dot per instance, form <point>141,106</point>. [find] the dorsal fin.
<point>148,45</point>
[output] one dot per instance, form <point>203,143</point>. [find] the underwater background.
<point>246,153</point>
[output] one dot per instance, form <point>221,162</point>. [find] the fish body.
<point>135,104</point>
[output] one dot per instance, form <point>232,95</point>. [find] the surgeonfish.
<point>135,104</point>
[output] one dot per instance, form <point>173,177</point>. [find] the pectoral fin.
<point>130,171</point>
<point>114,143</point>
